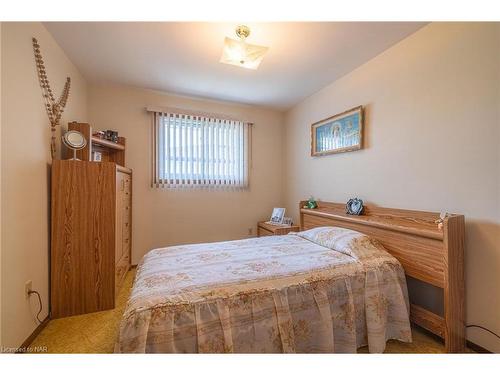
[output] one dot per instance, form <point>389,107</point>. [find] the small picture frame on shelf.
<point>287,221</point>
<point>111,135</point>
<point>96,156</point>
<point>99,134</point>
<point>277,216</point>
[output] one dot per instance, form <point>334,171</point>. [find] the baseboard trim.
<point>24,346</point>
<point>477,348</point>
<point>471,345</point>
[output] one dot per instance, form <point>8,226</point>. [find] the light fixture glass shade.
<point>239,53</point>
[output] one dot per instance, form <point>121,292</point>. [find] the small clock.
<point>354,206</point>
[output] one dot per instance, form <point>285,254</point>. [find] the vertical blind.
<point>192,151</point>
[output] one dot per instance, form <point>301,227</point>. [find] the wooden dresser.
<point>91,206</point>
<point>91,235</point>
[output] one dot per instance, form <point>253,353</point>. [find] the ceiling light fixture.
<point>240,53</point>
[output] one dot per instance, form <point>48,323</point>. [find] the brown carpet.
<point>97,332</point>
<point>88,333</point>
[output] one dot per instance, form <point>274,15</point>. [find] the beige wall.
<point>432,143</point>
<point>1,185</point>
<point>432,132</point>
<point>25,156</point>
<point>167,217</point>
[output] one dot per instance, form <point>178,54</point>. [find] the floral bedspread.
<point>326,290</point>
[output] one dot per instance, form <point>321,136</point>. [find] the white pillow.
<point>346,241</point>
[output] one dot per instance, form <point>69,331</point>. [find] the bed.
<point>328,289</point>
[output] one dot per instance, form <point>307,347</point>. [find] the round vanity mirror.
<point>74,140</point>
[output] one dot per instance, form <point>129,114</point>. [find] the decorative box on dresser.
<point>91,224</point>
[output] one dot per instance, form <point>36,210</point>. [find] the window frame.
<point>188,181</point>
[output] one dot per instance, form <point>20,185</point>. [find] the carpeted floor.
<point>97,332</point>
<point>88,333</point>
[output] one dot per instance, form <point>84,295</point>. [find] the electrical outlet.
<point>28,288</point>
<point>250,231</point>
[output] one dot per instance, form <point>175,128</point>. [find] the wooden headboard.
<point>427,253</point>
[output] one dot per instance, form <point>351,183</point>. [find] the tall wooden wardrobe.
<point>91,231</point>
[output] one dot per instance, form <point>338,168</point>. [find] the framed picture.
<point>277,216</point>
<point>340,133</point>
<point>96,156</point>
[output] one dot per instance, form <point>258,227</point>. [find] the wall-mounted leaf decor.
<point>54,107</point>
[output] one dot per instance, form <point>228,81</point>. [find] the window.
<point>192,150</point>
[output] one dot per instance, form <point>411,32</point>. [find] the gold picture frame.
<point>342,132</point>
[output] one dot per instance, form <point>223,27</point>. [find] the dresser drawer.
<point>126,224</point>
<point>126,211</point>
<point>261,232</point>
<point>126,208</point>
<point>121,271</point>
<point>127,184</point>
<point>126,249</point>
<point>126,242</point>
<point>265,229</point>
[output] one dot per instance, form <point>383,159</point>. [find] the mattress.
<point>326,290</point>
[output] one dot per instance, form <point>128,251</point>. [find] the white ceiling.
<point>183,58</point>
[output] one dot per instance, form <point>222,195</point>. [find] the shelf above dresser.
<point>110,151</point>
<point>107,144</point>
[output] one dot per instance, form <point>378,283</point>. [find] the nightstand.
<point>264,229</point>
